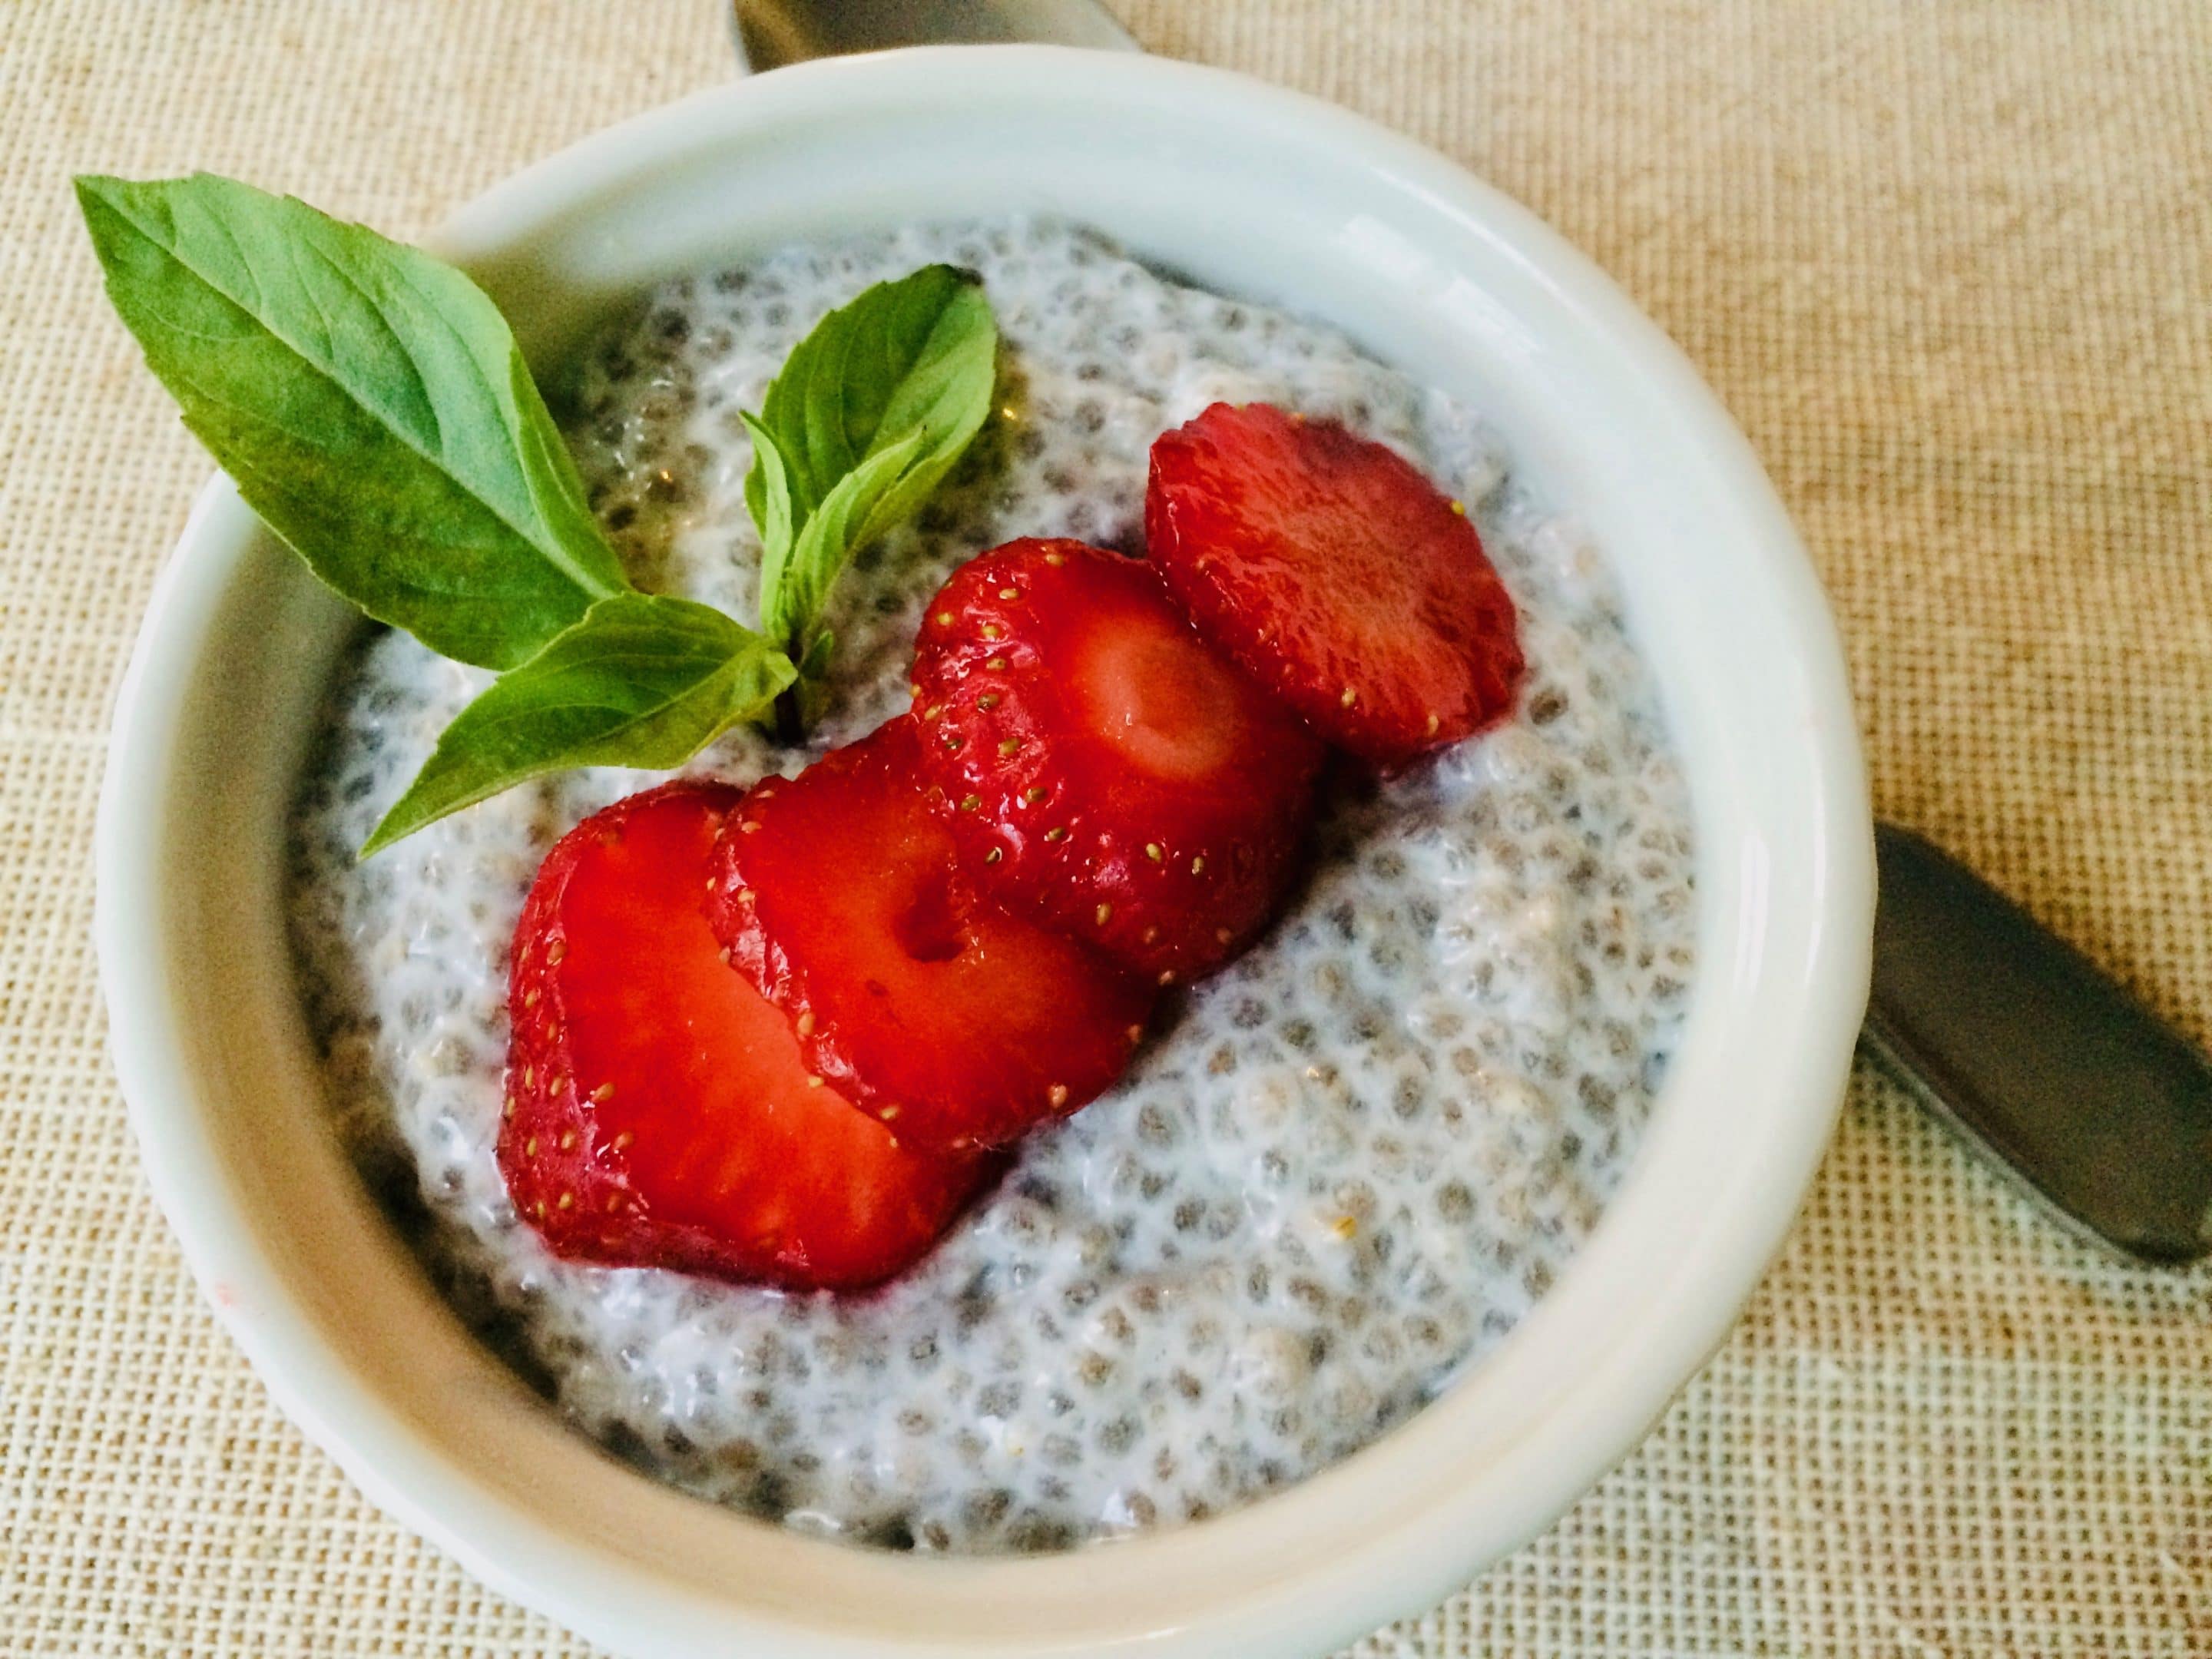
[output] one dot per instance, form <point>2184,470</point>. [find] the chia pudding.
<point>1338,1173</point>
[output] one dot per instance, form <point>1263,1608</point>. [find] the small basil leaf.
<point>774,515</point>
<point>906,368</point>
<point>642,680</point>
<point>873,370</point>
<point>369,401</point>
<point>831,536</point>
<point>946,397</point>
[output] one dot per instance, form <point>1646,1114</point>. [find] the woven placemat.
<point>1949,262</point>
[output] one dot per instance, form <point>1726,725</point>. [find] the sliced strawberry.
<point>955,1022</point>
<point>1336,574</point>
<point>1101,767</point>
<point>657,1111</point>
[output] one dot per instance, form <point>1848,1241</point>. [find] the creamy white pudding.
<point>1341,1170</point>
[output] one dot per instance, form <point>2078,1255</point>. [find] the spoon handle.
<point>773,32</point>
<point>2032,1051</point>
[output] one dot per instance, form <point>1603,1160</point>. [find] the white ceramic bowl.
<point>1252,190</point>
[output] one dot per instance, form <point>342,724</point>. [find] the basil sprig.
<point>373,407</point>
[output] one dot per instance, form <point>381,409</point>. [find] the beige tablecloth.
<point>1949,262</point>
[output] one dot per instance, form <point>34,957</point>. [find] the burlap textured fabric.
<point>1949,262</point>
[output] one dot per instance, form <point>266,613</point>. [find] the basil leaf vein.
<point>643,680</point>
<point>369,401</point>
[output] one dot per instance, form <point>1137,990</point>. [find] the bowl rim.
<point>1557,1452</point>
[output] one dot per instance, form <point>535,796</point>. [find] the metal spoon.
<point>2009,1033</point>
<point>2038,1056</point>
<point>771,33</point>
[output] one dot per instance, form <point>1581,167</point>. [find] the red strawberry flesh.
<point>1335,573</point>
<point>1102,767</point>
<point>660,1112</point>
<point>958,1023</point>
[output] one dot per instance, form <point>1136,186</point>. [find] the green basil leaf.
<point>642,680</point>
<point>774,514</point>
<point>907,368</point>
<point>369,401</point>
<point>833,533</point>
